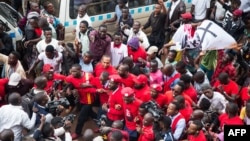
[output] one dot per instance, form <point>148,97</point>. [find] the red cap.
<point>237,12</point>
<point>141,79</point>
<point>47,68</point>
<point>115,78</point>
<point>187,15</point>
<point>157,87</point>
<point>127,91</point>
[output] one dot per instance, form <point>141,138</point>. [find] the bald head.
<point>148,119</point>
<point>15,99</point>
<point>7,135</point>
<point>118,124</point>
<point>197,115</point>
<point>168,69</point>
<point>88,135</point>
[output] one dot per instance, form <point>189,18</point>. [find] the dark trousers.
<point>85,113</point>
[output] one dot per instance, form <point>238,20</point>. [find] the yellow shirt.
<point>243,113</point>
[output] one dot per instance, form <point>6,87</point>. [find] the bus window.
<point>138,3</point>
<point>95,7</point>
<point>56,4</point>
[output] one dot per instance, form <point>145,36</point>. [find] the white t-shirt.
<point>220,12</point>
<point>55,62</point>
<point>218,97</point>
<point>78,20</point>
<point>141,35</point>
<point>200,9</point>
<point>41,45</point>
<point>117,54</point>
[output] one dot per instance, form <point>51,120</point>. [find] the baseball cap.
<point>237,12</point>
<point>141,79</point>
<point>47,68</point>
<point>157,87</point>
<point>32,14</point>
<point>115,78</point>
<point>127,91</point>
<point>187,15</point>
<point>14,79</point>
<point>152,49</point>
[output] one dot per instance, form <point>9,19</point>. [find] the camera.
<point>154,109</point>
<point>52,105</point>
<point>70,117</point>
<point>102,121</point>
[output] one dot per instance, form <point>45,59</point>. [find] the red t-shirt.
<point>143,94</point>
<point>191,92</point>
<point>99,69</point>
<point>136,54</point>
<point>129,81</point>
<point>187,111</point>
<point>200,137</point>
<point>161,100</point>
<point>147,134</point>
<point>130,112</point>
<point>244,95</point>
<point>170,97</point>
<point>233,121</point>
<point>115,98</point>
<point>86,95</point>
<point>231,88</point>
<point>103,97</point>
<point>3,83</point>
<point>49,86</point>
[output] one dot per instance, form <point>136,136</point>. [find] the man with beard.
<point>126,77</point>
<point>130,107</point>
<point>99,43</point>
<point>142,90</point>
<point>114,107</point>
<point>81,81</point>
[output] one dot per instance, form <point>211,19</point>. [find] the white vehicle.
<point>9,18</point>
<point>100,10</point>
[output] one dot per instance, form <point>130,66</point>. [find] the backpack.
<point>28,101</point>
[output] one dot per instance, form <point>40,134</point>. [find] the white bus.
<point>100,10</point>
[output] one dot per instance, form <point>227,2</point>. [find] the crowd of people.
<point>135,86</point>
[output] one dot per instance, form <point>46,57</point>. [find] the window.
<point>95,7</point>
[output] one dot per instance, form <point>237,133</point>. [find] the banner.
<point>207,36</point>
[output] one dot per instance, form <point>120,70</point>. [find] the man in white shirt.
<point>82,16</point>
<point>49,56</point>
<point>136,31</point>
<point>118,50</point>
<point>217,100</point>
<point>200,9</point>
<point>13,117</point>
<point>41,45</point>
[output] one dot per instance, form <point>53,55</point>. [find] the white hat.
<point>152,49</point>
<point>32,14</point>
<point>14,79</point>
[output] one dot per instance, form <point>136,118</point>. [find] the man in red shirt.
<point>114,107</point>
<point>81,82</point>
<point>232,117</point>
<point>131,107</point>
<point>135,51</point>
<point>142,90</point>
<point>157,96</point>
<point>185,108</point>
<point>104,65</point>
<point>126,78</point>
<point>146,132</point>
<point>224,64</point>
<point>195,132</point>
<point>51,76</point>
<point>189,89</point>
<point>227,87</point>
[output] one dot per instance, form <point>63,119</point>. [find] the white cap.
<point>14,79</point>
